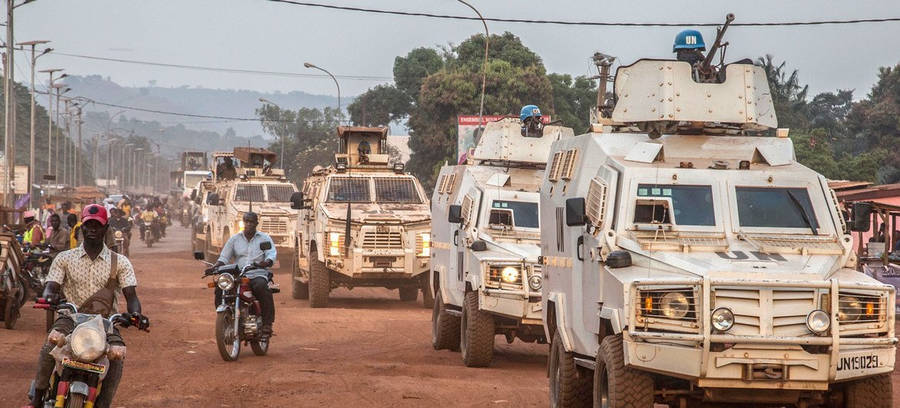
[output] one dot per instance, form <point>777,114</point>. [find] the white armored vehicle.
<point>246,181</point>
<point>486,232</point>
<point>363,222</point>
<point>689,258</point>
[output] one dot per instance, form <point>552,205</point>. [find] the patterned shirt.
<point>80,277</point>
<point>245,252</point>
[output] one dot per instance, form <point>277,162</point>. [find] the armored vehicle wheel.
<point>319,281</point>
<point>299,290</point>
<point>476,334</point>
<point>409,294</point>
<point>569,385</point>
<point>427,296</point>
<point>616,385</point>
<point>444,327</point>
<point>872,392</point>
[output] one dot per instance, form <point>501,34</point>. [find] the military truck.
<point>246,181</point>
<point>486,236</point>
<point>363,221</point>
<point>689,258</point>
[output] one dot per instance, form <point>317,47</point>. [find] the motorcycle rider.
<point>59,236</point>
<point>148,217</point>
<point>79,273</point>
<point>118,222</point>
<point>243,247</point>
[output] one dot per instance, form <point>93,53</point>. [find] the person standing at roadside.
<point>34,234</point>
<point>59,235</point>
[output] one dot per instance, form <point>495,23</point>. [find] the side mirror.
<point>297,201</point>
<point>198,256</point>
<point>454,216</point>
<point>862,217</point>
<point>265,246</point>
<point>478,246</point>
<point>575,211</point>
<point>212,199</point>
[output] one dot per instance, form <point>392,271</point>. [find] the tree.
<point>309,137</point>
<point>573,100</point>
<point>379,106</point>
<point>410,71</point>
<point>788,95</point>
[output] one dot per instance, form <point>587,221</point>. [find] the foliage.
<point>379,106</point>
<point>573,99</point>
<point>410,71</point>
<point>788,95</point>
<point>309,137</point>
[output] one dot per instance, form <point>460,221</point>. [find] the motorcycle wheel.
<point>149,243</point>
<point>260,347</point>
<point>227,337</point>
<point>75,401</point>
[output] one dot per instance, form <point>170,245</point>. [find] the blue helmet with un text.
<point>689,40</point>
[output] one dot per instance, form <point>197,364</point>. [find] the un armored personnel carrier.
<point>246,181</point>
<point>486,235</point>
<point>689,257</point>
<point>363,222</point>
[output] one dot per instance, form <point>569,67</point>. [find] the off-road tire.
<point>872,392</point>
<point>444,327</point>
<point>75,401</point>
<point>627,388</point>
<point>409,293</point>
<point>427,296</point>
<point>570,386</point>
<point>476,334</point>
<point>319,281</point>
<point>299,290</point>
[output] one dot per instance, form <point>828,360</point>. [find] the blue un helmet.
<point>689,40</point>
<point>529,111</point>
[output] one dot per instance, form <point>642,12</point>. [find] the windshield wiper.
<point>803,213</point>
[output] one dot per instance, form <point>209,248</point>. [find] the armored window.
<point>396,190</point>
<point>774,207</point>
<point>518,213</point>
<point>690,205</point>
<point>568,166</point>
<point>441,183</point>
<point>553,174</point>
<point>279,193</point>
<point>451,178</point>
<point>596,201</point>
<point>466,210</point>
<point>248,192</point>
<point>346,189</point>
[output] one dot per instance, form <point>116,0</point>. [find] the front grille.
<point>788,310</point>
<point>382,240</point>
<point>273,225</point>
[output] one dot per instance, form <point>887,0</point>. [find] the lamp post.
<point>9,88</point>
<point>487,41</point>
<point>266,101</point>
<point>50,117</point>
<point>340,113</point>
<point>59,92</point>
<point>31,163</point>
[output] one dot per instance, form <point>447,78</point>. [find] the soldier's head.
<point>689,46</point>
<point>251,220</point>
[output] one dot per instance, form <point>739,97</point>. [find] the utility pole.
<point>50,118</point>
<point>31,162</point>
<point>77,167</point>
<point>9,103</point>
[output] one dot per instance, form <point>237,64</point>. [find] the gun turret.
<point>706,71</point>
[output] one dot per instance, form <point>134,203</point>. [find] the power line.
<point>585,23</point>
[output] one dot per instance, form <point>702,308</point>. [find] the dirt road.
<point>368,350</point>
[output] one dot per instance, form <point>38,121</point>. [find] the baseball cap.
<point>94,212</point>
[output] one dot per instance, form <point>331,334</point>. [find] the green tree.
<point>788,95</point>
<point>379,106</point>
<point>309,137</point>
<point>573,100</point>
<point>410,71</point>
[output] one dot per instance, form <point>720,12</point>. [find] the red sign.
<point>472,120</point>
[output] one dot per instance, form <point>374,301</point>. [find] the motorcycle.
<point>239,316</point>
<point>121,239</point>
<point>35,270</point>
<point>152,233</point>
<point>82,357</point>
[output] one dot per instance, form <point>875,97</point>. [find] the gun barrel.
<point>720,33</point>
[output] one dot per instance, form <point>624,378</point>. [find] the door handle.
<point>456,237</point>
<point>578,248</point>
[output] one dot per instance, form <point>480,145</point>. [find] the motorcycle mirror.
<point>265,246</point>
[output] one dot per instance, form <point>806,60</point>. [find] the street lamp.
<point>340,113</point>
<point>60,89</point>
<point>487,40</point>
<point>266,101</point>
<point>50,118</point>
<point>31,163</point>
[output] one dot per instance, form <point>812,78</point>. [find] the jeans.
<point>260,288</point>
<point>46,364</point>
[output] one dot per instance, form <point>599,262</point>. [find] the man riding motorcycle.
<point>119,223</point>
<point>148,217</point>
<point>244,247</point>
<point>81,273</point>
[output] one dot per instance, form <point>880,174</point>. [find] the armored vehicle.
<point>688,256</point>
<point>363,222</point>
<point>246,181</point>
<point>486,233</point>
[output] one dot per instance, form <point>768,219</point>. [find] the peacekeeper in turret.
<point>689,47</point>
<point>532,126</point>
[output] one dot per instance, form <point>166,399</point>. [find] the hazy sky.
<point>256,34</point>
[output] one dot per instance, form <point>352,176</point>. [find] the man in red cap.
<point>79,273</point>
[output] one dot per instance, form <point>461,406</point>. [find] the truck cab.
<point>689,258</point>
<point>363,221</point>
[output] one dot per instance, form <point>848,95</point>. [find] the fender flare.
<point>558,302</point>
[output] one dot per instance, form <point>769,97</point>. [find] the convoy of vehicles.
<point>486,241</point>
<point>363,222</point>
<point>687,257</point>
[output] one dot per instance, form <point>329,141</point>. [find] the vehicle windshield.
<point>396,190</point>
<point>346,189</point>
<point>191,180</point>
<point>774,207</point>
<point>248,192</point>
<point>691,205</point>
<point>279,193</point>
<point>509,213</point>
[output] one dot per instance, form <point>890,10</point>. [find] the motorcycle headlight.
<point>510,274</point>
<point>88,343</point>
<point>118,234</point>
<point>225,281</point>
<point>675,305</point>
<point>535,282</point>
<point>722,319</point>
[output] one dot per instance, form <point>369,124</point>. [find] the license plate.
<point>78,365</point>
<point>382,229</point>
<point>858,362</point>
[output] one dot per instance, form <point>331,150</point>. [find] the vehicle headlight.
<point>88,343</point>
<point>818,322</point>
<point>241,225</point>
<point>849,309</point>
<point>722,319</point>
<point>118,234</point>
<point>225,281</point>
<point>424,244</point>
<point>535,281</point>
<point>334,239</point>
<point>510,274</point>
<point>675,305</point>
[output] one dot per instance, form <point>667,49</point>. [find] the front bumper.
<point>379,264</point>
<point>795,362</point>
<point>520,305</point>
